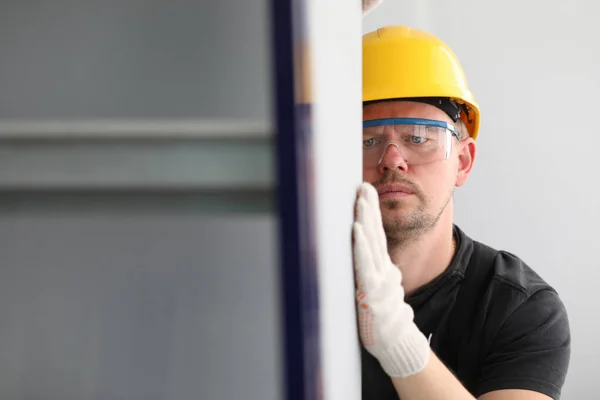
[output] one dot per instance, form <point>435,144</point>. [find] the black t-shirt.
<point>507,330</point>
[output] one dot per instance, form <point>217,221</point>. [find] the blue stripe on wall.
<point>295,209</point>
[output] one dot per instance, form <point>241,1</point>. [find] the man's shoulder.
<point>527,335</point>
<point>518,333</point>
<point>513,290</point>
<point>510,272</point>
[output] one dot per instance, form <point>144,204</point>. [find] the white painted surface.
<point>335,34</point>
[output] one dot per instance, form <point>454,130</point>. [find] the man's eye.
<point>417,139</point>
<point>369,142</point>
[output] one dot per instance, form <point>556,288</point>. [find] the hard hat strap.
<point>449,106</point>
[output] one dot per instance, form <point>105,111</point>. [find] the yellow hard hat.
<point>401,63</point>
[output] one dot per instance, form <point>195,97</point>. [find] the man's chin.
<point>401,218</point>
<point>397,217</point>
<point>395,206</point>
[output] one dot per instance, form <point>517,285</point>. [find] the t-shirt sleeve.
<point>531,349</point>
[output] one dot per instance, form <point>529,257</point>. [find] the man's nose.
<point>392,158</point>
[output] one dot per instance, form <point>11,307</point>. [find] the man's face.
<point>414,197</point>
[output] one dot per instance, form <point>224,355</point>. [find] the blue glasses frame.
<point>411,121</point>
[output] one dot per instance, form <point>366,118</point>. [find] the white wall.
<point>534,68</point>
<point>336,76</point>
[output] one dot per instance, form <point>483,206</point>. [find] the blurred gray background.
<point>134,58</point>
<point>137,269</point>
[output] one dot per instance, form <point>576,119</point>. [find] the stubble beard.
<point>404,227</point>
<point>402,230</point>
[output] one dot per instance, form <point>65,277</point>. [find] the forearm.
<point>435,382</point>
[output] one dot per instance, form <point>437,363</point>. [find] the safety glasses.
<point>419,141</point>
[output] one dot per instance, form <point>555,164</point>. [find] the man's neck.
<point>427,257</point>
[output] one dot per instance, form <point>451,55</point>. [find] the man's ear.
<point>467,150</point>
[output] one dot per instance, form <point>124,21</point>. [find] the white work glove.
<point>386,325</point>
<point>369,5</point>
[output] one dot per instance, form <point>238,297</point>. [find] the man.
<point>441,316</point>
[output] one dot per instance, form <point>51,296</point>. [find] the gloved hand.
<point>369,5</point>
<point>386,322</point>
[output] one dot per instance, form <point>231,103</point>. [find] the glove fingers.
<point>366,221</point>
<point>371,219</point>
<point>370,5</point>
<point>373,201</point>
<point>364,264</point>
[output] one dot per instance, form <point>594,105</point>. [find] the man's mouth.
<point>394,190</point>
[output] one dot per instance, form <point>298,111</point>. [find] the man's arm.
<point>436,382</point>
<point>513,394</point>
<point>531,351</point>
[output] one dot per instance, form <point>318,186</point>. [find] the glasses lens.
<point>417,143</point>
